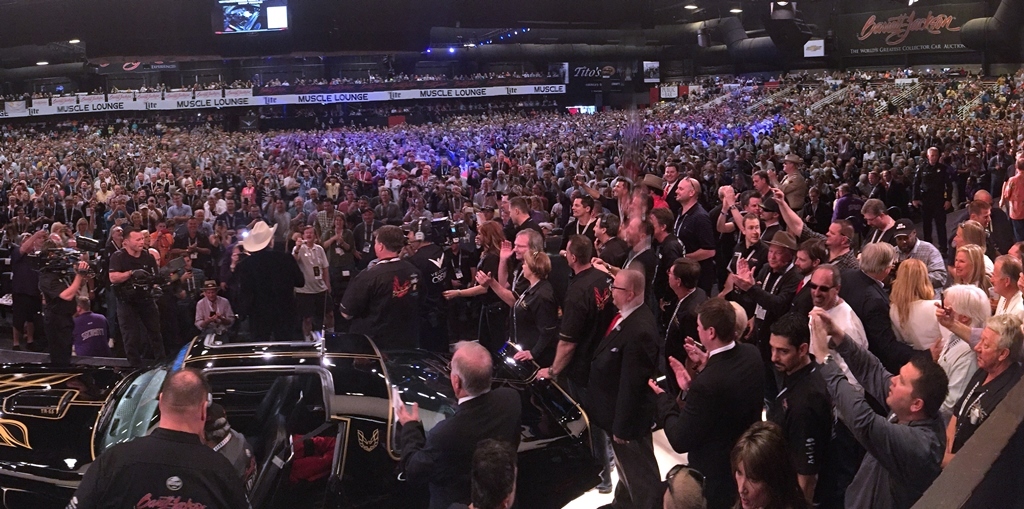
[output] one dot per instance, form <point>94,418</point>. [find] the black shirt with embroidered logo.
<point>586,313</point>
<point>803,409</point>
<point>167,468</point>
<point>383,302</point>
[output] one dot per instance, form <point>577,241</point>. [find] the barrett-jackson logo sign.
<point>907,31</point>
<point>897,28</point>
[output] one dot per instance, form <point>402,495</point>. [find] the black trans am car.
<point>336,393</point>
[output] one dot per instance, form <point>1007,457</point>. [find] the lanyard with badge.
<point>368,234</point>
<point>761,312</point>
<point>519,302</point>
<point>458,267</point>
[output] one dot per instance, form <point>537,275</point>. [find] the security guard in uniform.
<point>932,190</point>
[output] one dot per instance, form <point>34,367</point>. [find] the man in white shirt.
<point>313,297</point>
<point>825,283</point>
<point>1005,273</point>
<point>213,312</point>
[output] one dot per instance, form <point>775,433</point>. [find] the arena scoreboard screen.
<point>250,16</point>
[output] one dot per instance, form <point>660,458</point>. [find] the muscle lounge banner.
<point>915,29</point>
<point>202,99</point>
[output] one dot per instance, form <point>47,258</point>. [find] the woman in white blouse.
<point>912,308</point>
<point>970,306</point>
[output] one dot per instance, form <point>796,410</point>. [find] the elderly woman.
<point>999,370</point>
<point>912,309</point>
<point>967,305</point>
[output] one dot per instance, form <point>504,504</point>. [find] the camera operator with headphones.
<point>132,271</point>
<point>60,292</point>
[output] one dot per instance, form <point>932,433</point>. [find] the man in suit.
<point>668,250</point>
<point>443,457</point>
<point>809,256</point>
<point>717,404</point>
<point>862,290</point>
<point>671,181</point>
<point>617,399</point>
<point>607,244</point>
<point>68,214</point>
<point>682,322</point>
<point>816,215</point>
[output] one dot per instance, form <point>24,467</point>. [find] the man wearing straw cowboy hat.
<point>267,280</point>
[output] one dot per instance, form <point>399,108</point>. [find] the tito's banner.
<point>932,28</point>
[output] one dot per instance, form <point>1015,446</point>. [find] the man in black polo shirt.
<point>695,230</point>
<point>435,264</point>
<point>802,406</point>
<point>583,219</point>
<point>170,464</point>
<point>586,313</point>
<point>383,300</point>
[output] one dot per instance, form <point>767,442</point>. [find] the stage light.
<point>74,41</point>
<point>428,50</point>
<point>690,7</point>
<point>451,50</point>
<point>42,63</point>
<point>735,11</point>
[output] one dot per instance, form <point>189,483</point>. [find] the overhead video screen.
<point>250,16</point>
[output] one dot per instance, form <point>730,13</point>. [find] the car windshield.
<point>136,411</point>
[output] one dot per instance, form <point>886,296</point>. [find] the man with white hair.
<point>862,290</point>
<point>442,458</point>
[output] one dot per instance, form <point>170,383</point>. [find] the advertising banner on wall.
<point>914,29</point>
<point>202,99</point>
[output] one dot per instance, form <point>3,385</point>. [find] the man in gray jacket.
<point>904,451</point>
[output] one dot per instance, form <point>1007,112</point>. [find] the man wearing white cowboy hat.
<point>267,282</point>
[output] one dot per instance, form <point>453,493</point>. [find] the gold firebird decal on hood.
<point>371,444</point>
<point>13,434</point>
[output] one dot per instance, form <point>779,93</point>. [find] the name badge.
<point>760,312</point>
<point>345,273</point>
<point>194,256</point>
<point>458,273</point>
<point>366,248</point>
<point>338,251</point>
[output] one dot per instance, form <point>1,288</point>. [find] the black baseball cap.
<point>903,227</point>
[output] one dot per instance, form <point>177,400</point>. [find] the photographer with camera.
<point>132,270</point>
<point>60,293</point>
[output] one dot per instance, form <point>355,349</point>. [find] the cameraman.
<point>60,293</point>
<point>136,308</point>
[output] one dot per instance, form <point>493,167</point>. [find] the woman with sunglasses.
<point>765,477</point>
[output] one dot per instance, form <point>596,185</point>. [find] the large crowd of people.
<point>609,249</point>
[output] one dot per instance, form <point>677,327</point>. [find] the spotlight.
<point>42,63</point>
<point>735,11</point>
<point>451,50</point>
<point>428,50</point>
<point>690,7</point>
<point>74,41</point>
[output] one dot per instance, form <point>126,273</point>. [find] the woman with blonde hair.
<point>533,318</point>
<point>971,232</point>
<point>912,309</point>
<point>969,267</point>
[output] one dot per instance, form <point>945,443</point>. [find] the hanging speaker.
<point>703,37</point>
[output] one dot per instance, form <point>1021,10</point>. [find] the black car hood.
<point>48,417</point>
